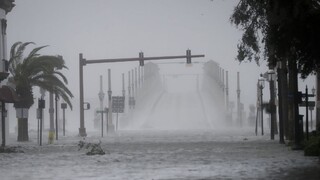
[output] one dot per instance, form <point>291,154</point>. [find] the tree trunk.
<point>294,106</point>
<point>287,126</point>
<point>23,129</point>
<point>280,100</point>
<point>318,102</point>
<point>291,107</point>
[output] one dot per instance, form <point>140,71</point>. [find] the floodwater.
<point>169,135</point>
<point>214,154</point>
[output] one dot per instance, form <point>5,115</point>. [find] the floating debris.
<point>92,148</point>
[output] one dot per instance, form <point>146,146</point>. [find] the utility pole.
<point>110,123</point>
<point>136,80</point>
<point>227,92</point>
<point>129,90</point>
<point>132,83</point>
<point>238,100</point>
<point>223,87</point>
<point>142,74</point>
<point>101,98</point>
<point>123,91</point>
<point>82,129</point>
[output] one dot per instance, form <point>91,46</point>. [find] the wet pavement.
<point>197,154</point>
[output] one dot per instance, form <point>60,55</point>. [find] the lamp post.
<point>238,100</point>
<point>261,86</point>
<point>271,78</point>
<point>56,111</point>
<point>101,98</point>
<point>311,108</point>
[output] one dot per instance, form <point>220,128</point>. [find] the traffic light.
<point>141,59</point>
<point>188,56</point>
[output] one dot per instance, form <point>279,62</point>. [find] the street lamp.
<point>311,108</point>
<point>261,86</point>
<point>101,98</point>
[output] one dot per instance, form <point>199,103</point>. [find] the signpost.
<point>41,106</point>
<point>102,112</point>
<point>117,107</point>
<point>306,103</point>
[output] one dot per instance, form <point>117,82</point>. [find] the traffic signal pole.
<point>141,59</point>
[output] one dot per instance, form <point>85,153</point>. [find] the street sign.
<point>117,104</point>
<point>310,104</point>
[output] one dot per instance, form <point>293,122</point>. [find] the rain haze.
<point>180,106</point>
<point>118,29</point>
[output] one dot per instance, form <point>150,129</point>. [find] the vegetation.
<point>43,71</point>
<point>92,148</point>
<point>284,32</point>
<point>278,30</point>
<point>312,146</point>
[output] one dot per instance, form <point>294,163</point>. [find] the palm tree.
<point>35,70</point>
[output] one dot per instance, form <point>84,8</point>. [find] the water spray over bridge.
<point>179,100</point>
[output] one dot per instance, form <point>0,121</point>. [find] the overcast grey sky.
<point>123,28</point>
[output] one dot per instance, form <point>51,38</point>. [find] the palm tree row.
<point>43,71</point>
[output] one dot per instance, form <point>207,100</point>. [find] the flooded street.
<point>162,155</point>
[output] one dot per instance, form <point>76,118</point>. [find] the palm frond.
<point>52,62</point>
<point>38,70</point>
<point>13,49</point>
<point>12,60</point>
<point>63,77</point>
<point>54,85</point>
<point>33,53</point>
<point>21,48</point>
<point>43,64</point>
<point>16,54</point>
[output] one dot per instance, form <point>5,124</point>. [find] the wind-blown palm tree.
<point>35,70</point>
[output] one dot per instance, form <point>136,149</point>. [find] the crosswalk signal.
<point>188,53</point>
<point>141,61</point>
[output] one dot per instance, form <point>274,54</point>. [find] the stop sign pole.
<point>140,59</point>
